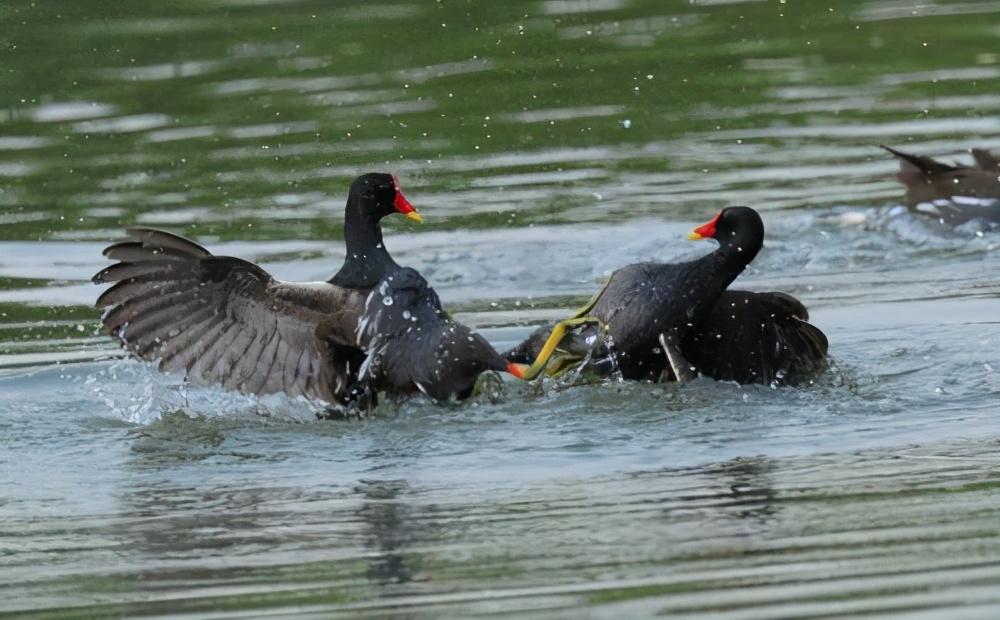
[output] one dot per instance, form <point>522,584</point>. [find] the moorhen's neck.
<point>713,273</point>
<point>738,249</point>
<point>367,260</point>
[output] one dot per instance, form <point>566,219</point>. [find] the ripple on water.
<point>243,122</point>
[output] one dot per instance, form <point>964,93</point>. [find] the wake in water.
<point>138,393</point>
<point>922,227</point>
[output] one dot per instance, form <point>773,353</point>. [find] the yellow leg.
<point>558,332</point>
<point>579,317</point>
<point>557,367</point>
<point>583,311</point>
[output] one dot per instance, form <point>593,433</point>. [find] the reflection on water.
<point>748,538</point>
<point>385,515</point>
<point>548,143</point>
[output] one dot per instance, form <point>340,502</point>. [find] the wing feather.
<point>258,380</point>
<point>225,321</point>
<point>177,351</point>
<point>208,367</point>
<point>203,348</point>
<point>757,338</point>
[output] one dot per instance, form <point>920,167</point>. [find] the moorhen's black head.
<point>739,230</point>
<point>376,195</point>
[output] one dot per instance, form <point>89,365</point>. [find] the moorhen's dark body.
<point>933,185</point>
<point>414,346</point>
<point>757,338</point>
<point>667,321</point>
<point>225,321</point>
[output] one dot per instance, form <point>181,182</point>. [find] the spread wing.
<point>225,321</point>
<point>757,338</point>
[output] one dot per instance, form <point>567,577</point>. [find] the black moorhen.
<point>414,346</point>
<point>933,185</point>
<point>668,321</point>
<point>225,321</point>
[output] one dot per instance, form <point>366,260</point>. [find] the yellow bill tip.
<point>694,236</point>
<point>416,217</point>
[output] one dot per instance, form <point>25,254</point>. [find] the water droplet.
<point>387,300</point>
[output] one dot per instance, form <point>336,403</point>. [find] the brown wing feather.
<point>225,321</point>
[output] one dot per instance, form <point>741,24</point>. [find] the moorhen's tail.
<point>918,163</point>
<point>986,160</point>
<point>225,321</point>
<point>757,338</point>
<point>928,181</point>
<point>925,179</point>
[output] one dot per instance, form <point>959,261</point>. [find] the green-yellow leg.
<point>560,365</point>
<point>584,310</point>
<point>558,332</point>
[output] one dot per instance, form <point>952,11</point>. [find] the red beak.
<point>706,230</point>
<point>403,205</point>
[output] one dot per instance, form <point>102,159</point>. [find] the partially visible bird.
<point>932,186</point>
<point>413,345</point>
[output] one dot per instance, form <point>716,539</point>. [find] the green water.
<point>546,143</point>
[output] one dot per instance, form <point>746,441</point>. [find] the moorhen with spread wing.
<point>225,321</point>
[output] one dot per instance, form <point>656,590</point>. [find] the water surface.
<point>547,143</point>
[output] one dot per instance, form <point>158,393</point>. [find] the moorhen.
<point>666,322</point>
<point>936,189</point>
<point>225,321</point>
